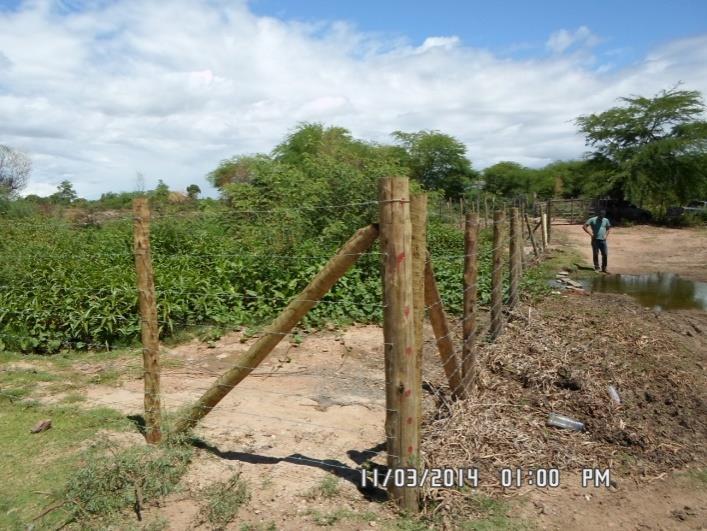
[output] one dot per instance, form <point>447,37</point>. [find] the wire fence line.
<point>499,266</point>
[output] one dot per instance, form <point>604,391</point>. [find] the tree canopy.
<point>438,161</point>
<point>65,193</point>
<point>510,179</point>
<point>15,168</point>
<point>300,183</point>
<point>650,149</point>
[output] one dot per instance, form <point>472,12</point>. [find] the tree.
<point>569,178</point>
<point>65,193</point>
<point>652,149</point>
<point>161,192</point>
<point>320,182</point>
<point>438,161</point>
<point>193,191</point>
<point>15,168</point>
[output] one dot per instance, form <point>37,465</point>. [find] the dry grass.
<point>562,360</point>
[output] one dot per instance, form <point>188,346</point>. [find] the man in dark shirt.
<point>599,226</point>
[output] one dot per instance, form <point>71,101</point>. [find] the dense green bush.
<point>64,284</point>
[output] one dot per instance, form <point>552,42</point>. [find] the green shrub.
<point>113,480</point>
<point>64,285</point>
<point>222,500</point>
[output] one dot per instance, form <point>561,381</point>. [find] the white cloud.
<point>171,88</point>
<point>446,43</point>
<point>563,39</point>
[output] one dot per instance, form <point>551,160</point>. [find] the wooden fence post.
<point>571,211</point>
<point>543,228</point>
<point>499,218</point>
<point>440,326</point>
<point>486,212</point>
<point>334,269</point>
<point>549,220</point>
<point>532,236</point>
<point>471,235</point>
<point>418,217</point>
<point>148,319</point>
<point>515,258</point>
<point>402,427</point>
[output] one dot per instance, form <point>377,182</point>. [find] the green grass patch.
<point>73,398</point>
<point>35,465</point>
<point>327,488</point>
<point>112,481</point>
<point>222,500</point>
<point>267,526</point>
<point>492,514</point>
<point>488,514</point>
<point>698,476</point>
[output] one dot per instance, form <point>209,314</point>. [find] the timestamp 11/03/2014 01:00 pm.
<point>470,477</point>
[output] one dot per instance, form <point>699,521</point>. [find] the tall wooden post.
<point>148,319</point>
<point>471,236</point>
<point>549,220</point>
<point>515,258</point>
<point>486,212</point>
<point>543,228</point>
<point>334,269</point>
<point>499,219</point>
<point>402,426</point>
<point>418,217</point>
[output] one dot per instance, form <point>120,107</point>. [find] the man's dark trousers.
<point>597,247</point>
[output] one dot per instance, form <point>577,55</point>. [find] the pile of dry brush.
<point>561,357</point>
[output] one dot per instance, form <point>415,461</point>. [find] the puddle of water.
<point>666,291</point>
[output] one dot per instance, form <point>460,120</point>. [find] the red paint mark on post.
<point>409,420</point>
<point>408,350</point>
<point>409,449</point>
<point>399,260</point>
<point>407,311</point>
<point>408,392</point>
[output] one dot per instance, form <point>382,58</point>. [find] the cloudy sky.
<point>97,91</point>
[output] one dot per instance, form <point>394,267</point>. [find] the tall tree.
<point>650,149</point>
<point>15,168</point>
<point>193,191</point>
<point>507,179</point>
<point>438,161</point>
<point>65,193</point>
<point>161,192</point>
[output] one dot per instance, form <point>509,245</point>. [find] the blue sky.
<point>519,28</point>
<point>96,92</point>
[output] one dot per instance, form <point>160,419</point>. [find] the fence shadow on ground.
<point>333,466</point>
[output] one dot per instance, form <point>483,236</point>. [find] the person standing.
<point>598,229</point>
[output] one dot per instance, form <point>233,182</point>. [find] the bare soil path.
<point>647,249</point>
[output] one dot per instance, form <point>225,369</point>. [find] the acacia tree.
<point>652,149</point>
<point>15,168</point>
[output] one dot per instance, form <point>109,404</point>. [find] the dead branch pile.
<point>562,359</point>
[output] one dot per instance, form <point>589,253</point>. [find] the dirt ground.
<point>647,249</point>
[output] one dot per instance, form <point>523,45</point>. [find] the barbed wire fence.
<point>405,261</point>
